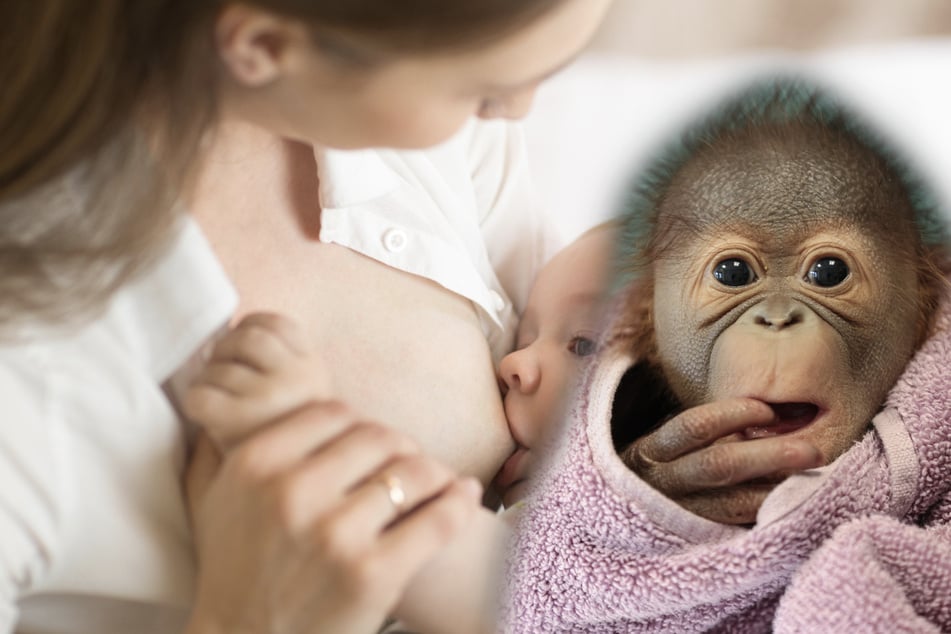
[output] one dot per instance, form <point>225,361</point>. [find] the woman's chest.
<point>402,349</point>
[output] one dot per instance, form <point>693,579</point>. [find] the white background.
<point>593,124</point>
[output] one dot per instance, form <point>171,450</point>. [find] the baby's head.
<point>559,328</point>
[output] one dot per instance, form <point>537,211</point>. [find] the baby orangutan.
<point>778,363</point>
<point>785,280</point>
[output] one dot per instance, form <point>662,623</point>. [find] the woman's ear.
<point>254,44</point>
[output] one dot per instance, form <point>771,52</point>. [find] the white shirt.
<point>462,214</point>
<point>93,533</point>
<point>93,529</point>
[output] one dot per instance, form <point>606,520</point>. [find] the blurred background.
<point>685,28</point>
<point>656,64</point>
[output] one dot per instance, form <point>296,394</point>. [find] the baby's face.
<point>558,330</point>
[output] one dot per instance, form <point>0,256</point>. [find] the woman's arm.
<point>295,533</point>
<point>315,518</point>
<point>457,592</point>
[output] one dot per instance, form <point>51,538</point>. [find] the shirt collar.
<point>163,316</point>
<point>352,177</point>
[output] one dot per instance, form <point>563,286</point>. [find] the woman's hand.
<point>316,523</point>
<point>684,460</point>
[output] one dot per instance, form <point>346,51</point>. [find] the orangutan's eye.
<point>734,272</point>
<point>828,272</point>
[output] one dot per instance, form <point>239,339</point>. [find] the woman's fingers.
<point>325,466</point>
<point>348,474</point>
<point>323,514</point>
<point>281,446</point>
<point>411,542</point>
<point>394,490</point>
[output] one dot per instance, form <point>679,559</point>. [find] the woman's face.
<point>415,101</point>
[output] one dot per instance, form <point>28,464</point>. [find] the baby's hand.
<point>682,460</point>
<point>259,371</point>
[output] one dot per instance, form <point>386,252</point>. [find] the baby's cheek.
<point>559,397</point>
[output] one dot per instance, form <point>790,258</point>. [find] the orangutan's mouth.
<point>790,417</point>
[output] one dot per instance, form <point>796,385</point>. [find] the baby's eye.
<point>734,272</point>
<point>582,346</point>
<point>828,272</point>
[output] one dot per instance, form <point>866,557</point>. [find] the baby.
<point>558,330</point>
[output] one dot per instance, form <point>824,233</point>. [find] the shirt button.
<point>498,302</point>
<point>394,240</point>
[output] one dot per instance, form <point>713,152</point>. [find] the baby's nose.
<point>519,371</point>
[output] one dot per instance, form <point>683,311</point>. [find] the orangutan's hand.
<point>693,460</point>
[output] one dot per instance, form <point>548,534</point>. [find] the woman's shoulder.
<point>24,377</point>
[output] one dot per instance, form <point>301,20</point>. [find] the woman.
<point>107,289</point>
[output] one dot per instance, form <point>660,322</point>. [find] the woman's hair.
<point>86,193</point>
<point>88,190</point>
<point>415,26</point>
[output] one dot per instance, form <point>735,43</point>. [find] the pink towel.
<point>874,574</point>
<point>598,550</point>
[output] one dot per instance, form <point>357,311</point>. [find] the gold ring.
<point>394,490</point>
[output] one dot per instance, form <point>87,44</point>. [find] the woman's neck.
<point>252,178</point>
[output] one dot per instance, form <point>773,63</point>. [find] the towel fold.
<point>873,575</point>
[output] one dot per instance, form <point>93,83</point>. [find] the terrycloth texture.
<point>874,574</point>
<point>598,550</point>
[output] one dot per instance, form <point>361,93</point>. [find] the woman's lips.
<point>511,472</point>
<point>790,417</point>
